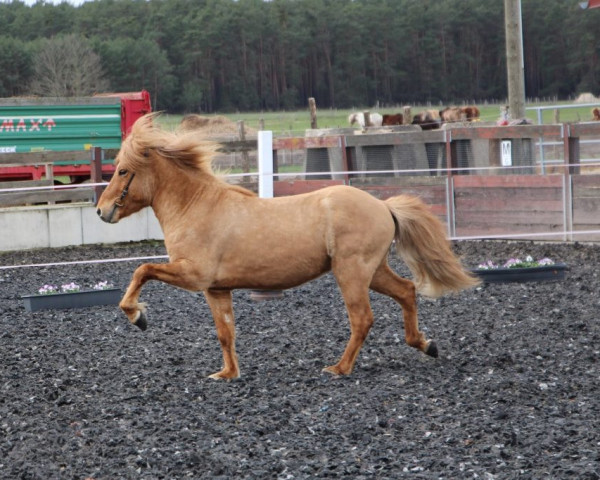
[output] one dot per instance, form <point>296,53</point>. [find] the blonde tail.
<point>421,241</point>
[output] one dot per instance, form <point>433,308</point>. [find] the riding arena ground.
<point>514,394</point>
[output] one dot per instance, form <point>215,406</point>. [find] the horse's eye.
<point>122,172</point>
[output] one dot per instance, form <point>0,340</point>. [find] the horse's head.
<point>151,159</point>
<point>130,188</point>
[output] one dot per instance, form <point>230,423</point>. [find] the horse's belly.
<point>272,271</point>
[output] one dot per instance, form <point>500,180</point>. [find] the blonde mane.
<point>181,148</point>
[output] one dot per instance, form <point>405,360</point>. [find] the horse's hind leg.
<point>356,297</point>
<point>403,291</point>
<point>222,310</point>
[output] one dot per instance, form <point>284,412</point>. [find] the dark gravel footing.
<point>514,393</point>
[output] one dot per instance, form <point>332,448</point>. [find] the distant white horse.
<point>375,119</point>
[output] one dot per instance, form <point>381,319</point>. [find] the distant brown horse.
<point>471,112</point>
<point>395,119</point>
<point>221,237</point>
<point>596,114</point>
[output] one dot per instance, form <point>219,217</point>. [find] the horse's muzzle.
<point>107,218</point>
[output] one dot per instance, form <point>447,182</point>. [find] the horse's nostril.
<point>99,212</point>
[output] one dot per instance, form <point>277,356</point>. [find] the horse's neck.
<point>183,198</point>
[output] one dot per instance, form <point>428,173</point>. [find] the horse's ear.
<point>145,123</point>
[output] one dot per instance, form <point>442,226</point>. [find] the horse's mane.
<point>183,149</point>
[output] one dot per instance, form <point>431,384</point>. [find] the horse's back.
<point>329,218</point>
<point>353,216</point>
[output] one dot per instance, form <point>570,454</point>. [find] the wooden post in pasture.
<point>245,158</point>
<point>556,115</point>
<point>367,116</point>
<point>96,171</point>
<point>312,106</point>
<point>406,115</point>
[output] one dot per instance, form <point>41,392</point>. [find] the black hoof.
<point>432,349</point>
<point>141,322</point>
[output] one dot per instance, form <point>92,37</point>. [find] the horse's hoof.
<point>225,376</point>
<point>432,349</point>
<point>141,322</point>
<point>335,370</point>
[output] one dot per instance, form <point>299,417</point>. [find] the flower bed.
<point>516,270</point>
<point>72,296</point>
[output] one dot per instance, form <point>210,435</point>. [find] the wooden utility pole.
<point>245,158</point>
<point>514,58</point>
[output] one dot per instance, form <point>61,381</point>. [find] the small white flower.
<point>529,262</point>
<point>70,288</point>
<point>48,290</point>
<point>546,261</point>
<point>103,285</point>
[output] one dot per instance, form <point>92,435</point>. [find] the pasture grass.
<point>297,121</point>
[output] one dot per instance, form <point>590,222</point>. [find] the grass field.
<point>296,122</point>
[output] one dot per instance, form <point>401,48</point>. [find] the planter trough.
<point>86,298</point>
<point>544,273</point>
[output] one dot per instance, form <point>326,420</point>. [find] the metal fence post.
<point>265,164</point>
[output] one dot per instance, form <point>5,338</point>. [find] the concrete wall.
<point>50,226</point>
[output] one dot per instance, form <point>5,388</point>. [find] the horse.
<point>427,120</point>
<point>358,117</point>
<point>596,114</point>
<point>220,237</point>
<point>395,119</point>
<point>471,112</point>
<point>452,114</point>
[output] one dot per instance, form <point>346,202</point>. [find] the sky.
<point>54,2</point>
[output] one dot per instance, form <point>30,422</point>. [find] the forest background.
<point>254,55</point>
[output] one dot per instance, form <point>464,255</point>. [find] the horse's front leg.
<point>171,273</point>
<point>221,306</point>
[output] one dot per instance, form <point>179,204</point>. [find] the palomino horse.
<point>427,120</point>
<point>459,114</point>
<point>221,237</point>
<point>452,114</point>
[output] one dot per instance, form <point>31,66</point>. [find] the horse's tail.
<point>421,241</point>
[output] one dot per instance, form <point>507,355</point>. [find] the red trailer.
<point>133,106</point>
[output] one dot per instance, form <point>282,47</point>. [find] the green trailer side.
<point>59,124</point>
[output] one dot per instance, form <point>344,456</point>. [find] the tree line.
<point>250,55</point>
